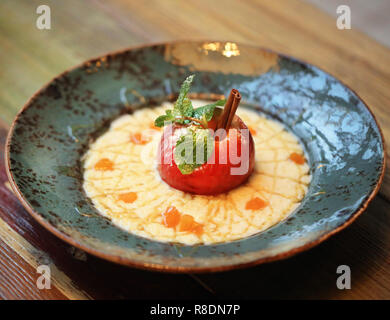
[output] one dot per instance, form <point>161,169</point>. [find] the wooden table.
<point>81,29</point>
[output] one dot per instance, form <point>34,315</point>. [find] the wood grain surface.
<point>83,29</point>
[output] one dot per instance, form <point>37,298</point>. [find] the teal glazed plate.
<point>340,135</point>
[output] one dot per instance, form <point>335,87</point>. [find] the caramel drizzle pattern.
<point>230,208</point>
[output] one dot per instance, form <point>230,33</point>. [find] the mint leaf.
<point>183,111</point>
<point>187,108</point>
<point>203,140</point>
<point>193,149</point>
<point>186,168</point>
<point>184,152</point>
<point>206,112</point>
<point>162,120</point>
<point>183,105</point>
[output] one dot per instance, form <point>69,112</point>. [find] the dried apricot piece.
<point>128,197</point>
<point>171,217</point>
<point>256,204</point>
<point>297,158</point>
<point>104,165</point>
<point>139,138</point>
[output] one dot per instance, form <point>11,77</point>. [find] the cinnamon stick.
<point>229,110</point>
<point>226,110</point>
<point>233,109</point>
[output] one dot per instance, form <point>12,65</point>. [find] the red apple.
<point>210,178</point>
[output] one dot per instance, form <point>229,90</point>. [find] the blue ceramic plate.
<point>51,133</point>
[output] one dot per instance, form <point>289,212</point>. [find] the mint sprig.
<point>194,147</point>
<point>184,113</point>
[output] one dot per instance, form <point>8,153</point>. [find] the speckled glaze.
<point>341,137</point>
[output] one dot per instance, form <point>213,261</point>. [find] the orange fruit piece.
<point>186,223</point>
<point>152,126</point>
<point>104,165</point>
<point>252,130</point>
<point>256,204</point>
<point>197,229</point>
<point>297,158</point>
<point>171,217</point>
<point>139,138</point>
<point>128,197</point>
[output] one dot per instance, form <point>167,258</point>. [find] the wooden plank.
<point>31,57</point>
<point>18,278</point>
<point>81,29</point>
<point>292,27</point>
<point>34,258</point>
<point>123,23</point>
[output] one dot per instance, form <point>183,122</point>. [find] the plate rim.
<point>169,269</point>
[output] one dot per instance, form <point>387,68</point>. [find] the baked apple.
<point>207,150</point>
